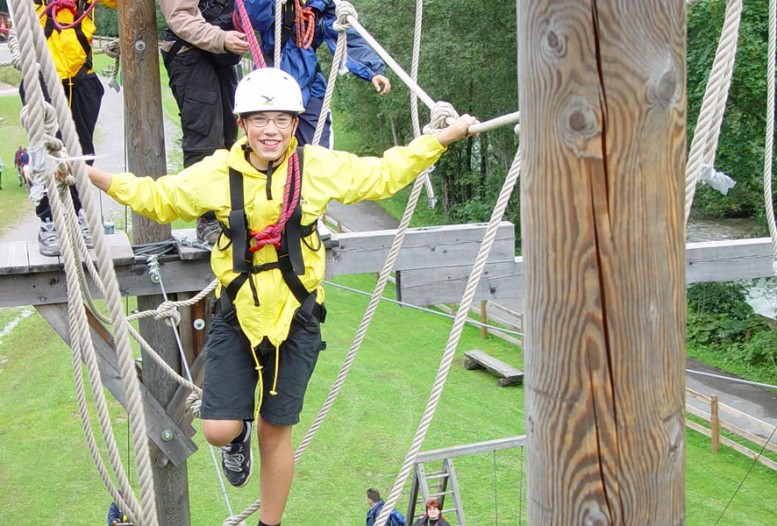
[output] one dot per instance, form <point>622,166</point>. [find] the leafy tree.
<point>741,147</point>
<point>468,58</point>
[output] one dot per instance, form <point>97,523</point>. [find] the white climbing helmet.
<point>268,89</point>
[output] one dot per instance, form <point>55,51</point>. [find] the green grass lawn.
<point>45,468</point>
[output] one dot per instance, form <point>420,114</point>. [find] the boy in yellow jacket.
<point>267,195</point>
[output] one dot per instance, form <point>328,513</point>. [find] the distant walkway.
<point>109,143</point>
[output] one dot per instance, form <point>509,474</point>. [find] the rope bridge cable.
<point>341,26</point>
<point>453,340</point>
<point>34,50</point>
<point>37,129</point>
<point>419,14</point>
<point>707,132</point>
<point>769,138</point>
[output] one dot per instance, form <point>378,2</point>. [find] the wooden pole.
<point>484,319</point>
<point>146,156</point>
<point>603,111</point>
<point>715,423</point>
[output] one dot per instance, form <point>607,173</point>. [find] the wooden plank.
<point>729,260</point>
<point>43,288</point>
<point>431,247</point>
<point>446,284</point>
<point>39,263</point>
<point>471,449</point>
<point>508,375</point>
<point>188,252</point>
<point>119,247</point>
<point>13,258</point>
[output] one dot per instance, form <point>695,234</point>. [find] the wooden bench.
<point>508,375</point>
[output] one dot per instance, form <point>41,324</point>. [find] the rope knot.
<point>112,48</point>
<point>441,112</point>
<point>194,404</point>
<point>169,312</point>
<point>344,10</point>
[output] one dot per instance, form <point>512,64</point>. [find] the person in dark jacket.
<point>432,516</point>
<point>376,506</point>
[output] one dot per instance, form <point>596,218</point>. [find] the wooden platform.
<point>27,278</point>
<point>507,374</point>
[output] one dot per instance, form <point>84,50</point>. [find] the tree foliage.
<point>741,148</point>
<point>468,58</point>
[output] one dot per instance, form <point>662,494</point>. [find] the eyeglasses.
<point>281,122</point>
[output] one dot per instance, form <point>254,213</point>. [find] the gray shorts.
<point>228,392</point>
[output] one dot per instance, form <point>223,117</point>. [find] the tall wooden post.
<point>603,111</point>
<point>146,156</point>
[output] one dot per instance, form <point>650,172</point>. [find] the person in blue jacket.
<point>298,54</point>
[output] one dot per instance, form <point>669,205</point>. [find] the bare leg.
<point>221,432</point>
<point>277,470</point>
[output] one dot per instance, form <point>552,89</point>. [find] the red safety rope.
<point>271,235</point>
<point>241,21</point>
<point>305,24</point>
<point>54,7</point>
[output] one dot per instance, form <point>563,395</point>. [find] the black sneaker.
<point>236,460</point>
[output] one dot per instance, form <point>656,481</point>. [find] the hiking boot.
<point>83,226</point>
<point>236,460</point>
<point>47,240</point>
<point>208,229</point>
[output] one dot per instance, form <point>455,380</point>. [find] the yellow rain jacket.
<point>71,49</point>
<point>326,175</point>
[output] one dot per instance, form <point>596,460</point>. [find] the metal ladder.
<point>443,483</point>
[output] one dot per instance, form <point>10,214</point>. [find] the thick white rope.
<point>414,87</point>
<point>453,340</point>
<point>49,129</point>
<point>705,136</point>
<point>70,236</point>
<point>341,26</point>
<point>769,141</point>
<point>278,36</point>
<point>431,201</point>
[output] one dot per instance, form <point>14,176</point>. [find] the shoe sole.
<point>49,253</point>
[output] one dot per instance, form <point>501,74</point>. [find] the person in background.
<point>69,37</point>
<point>115,516</point>
<point>17,163</point>
<point>268,193</point>
<point>432,516</point>
<point>314,19</point>
<point>200,50</point>
<point>376,506</point>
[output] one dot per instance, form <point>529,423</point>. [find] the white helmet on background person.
<point>268,89</point>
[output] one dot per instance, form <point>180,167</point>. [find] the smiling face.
<point>433,512</point>
<point>269,134</point>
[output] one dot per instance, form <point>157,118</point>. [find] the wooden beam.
<point>729,260</point>
<point>603,111</point>
<point>423,248</point>
<point>174,451</point>
<point>446,284</point>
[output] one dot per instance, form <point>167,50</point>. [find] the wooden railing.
<point>713,416</point>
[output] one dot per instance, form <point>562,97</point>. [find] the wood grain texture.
<point>602,98</point>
